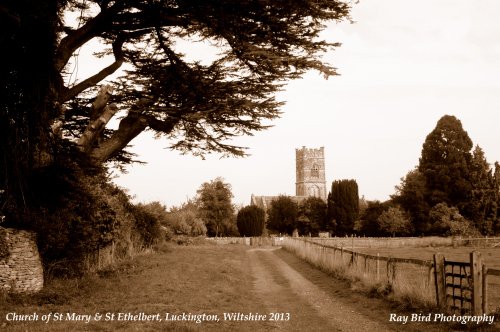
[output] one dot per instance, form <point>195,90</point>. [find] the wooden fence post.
<point>393,273</point>
<point>429,276</point>
<point>439,280</point>
<point>388,270</point>
<point>476,268</point>
<point>485,290</point>
<point>378,266</point>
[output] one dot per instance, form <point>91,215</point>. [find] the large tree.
<point>198,105</point>
<point>215,207</point>
<point>452,174</point>
<point>410,195</point>
<point>312,216</point>
<point>482,207</point>
<point>282,215</point>
<point>251,221</point>
<point>343,206</point>
<point>445,163</point>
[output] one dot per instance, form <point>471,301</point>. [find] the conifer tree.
<point>450,174</point>
<point>343,206</point>
<point>481,208</point>
<point>250,221</point>
<point>445,163</point>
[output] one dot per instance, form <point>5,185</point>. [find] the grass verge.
<point>180,279</point>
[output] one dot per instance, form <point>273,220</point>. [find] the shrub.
<point>146,225</point>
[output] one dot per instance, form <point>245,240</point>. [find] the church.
<point>310,178</point>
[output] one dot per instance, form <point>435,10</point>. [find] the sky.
<point>402,64</point>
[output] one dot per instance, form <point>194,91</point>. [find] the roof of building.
<point>264,202</point>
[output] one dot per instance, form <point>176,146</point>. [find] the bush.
<point>185,221</point>
<point>448,221</point>
<point>73,218</point>
<point>147,226</point>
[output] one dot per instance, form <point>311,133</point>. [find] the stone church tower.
<point>310,173</point>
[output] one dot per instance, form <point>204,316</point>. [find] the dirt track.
<point>315,300</point>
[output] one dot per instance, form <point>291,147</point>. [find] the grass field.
<point>491,256</point>
<point>197,279</point>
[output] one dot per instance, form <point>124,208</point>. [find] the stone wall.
<point>21,271</point>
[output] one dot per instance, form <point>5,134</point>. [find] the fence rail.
<point>428,281</point>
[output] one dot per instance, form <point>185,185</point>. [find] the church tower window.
<point>315,171</point>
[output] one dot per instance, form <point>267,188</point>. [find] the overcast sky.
<point>403,65</point>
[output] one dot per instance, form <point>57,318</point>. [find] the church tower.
<point>310,172</point>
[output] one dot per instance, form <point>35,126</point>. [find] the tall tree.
<point>445,164</point>
<point>394,221</point>
<point>369,223</point>
<point>410,195</point>
<point>343,206</point>
<point>482,207</point>
<point>312,216</point>
<point>496,211</point>
<point>215,207</point>
<point>197,105</point>
<point>251,221</point>
<point>453,175</point>
<point>282,215</point>
<point>28,81</point>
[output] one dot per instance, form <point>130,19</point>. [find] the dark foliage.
<point>410,196</point>
<point>343,206</point>
<point>146,225</point>
<point>445,163</point>
<point>369,219</point>
<point>250,221</point>
<point>312,216</point>
<point>450,173</point>
<point>283,215</point>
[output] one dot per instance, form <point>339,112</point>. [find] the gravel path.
<point>323,304</point>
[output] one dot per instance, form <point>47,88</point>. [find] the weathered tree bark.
<point>93,133</point>
<point>130,126</point>
<point>98,150</point>
<point>99,117</point>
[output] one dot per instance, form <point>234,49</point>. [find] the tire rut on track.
<point>282,289</point>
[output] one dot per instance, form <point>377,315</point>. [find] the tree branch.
<point>93,80</point>
<point>79,37</point>
<point>130,127</point>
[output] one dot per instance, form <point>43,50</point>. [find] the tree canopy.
<point>215,207</point>
<point>451,176</point>
<point>445,161</point>
<point>195,104</point>
<point>282,215</point>
<point>251,221</point>
<point>199,106</point>
<point>343,206</point>
<point>312,216</point>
